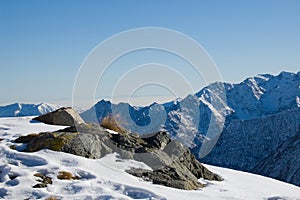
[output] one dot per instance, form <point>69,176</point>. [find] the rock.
<point>44,180</point>
<point>88,145</point>
<point>63,175</point>
<point>63,116</point>
<point>168,177</point>
<point>13,147</point>
<point>173,165</point>
<point>158,140</point>
<point>40,185</point>
<point>13,175</point>
<point>26,139</point>
<point>47,140</point>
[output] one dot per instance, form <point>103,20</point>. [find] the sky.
<point>43,43</point>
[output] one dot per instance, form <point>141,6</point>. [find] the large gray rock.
<point>65,116</point>
<point>174,166</point>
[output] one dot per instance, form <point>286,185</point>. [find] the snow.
<point>106,178</point>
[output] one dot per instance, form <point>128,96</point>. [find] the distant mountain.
<point>252,119</point>
<point>20,109</point>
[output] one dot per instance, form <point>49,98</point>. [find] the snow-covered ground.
<point>105,178</point>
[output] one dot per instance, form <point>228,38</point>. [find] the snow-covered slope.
<point>106,178</point>
<point>19,109</point>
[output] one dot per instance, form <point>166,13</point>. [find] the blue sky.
<point>44,42</point>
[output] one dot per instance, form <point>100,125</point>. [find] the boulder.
<point>65,116</point>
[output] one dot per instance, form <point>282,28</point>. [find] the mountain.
<point>244,144</point>
<point>20,109</point>
<point>244,121</point>
<point>283,163</point>
<point>22,175</point>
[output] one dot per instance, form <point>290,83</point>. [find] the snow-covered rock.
<point>20,109</point>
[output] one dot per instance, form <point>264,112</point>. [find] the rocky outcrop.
<point>182,171</point>
<point>173,165</point>
<point>65,116</point>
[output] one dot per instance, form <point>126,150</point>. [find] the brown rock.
<point>63,116</point>
<point>63,175</point>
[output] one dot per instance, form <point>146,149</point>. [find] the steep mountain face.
<point>283,163</point>
<point>246,143</point>
<point>252,119</point>
<point>19,109</point>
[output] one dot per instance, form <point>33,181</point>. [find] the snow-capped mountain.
<point>233,111</point>
<point>20,109</point>
<point>207,112</point>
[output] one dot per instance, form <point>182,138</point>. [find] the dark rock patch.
<point>43,180</point>
<point>26,139</point>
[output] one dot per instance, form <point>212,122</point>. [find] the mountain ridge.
<point>23,109</point>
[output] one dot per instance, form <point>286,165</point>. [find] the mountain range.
<point>21,109</point>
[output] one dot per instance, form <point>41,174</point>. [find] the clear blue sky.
<point>43,42</point>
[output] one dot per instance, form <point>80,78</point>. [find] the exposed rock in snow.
<point>63,116</point>
<point>172,163</point>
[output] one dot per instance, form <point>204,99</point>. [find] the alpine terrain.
<point>246,123</point>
